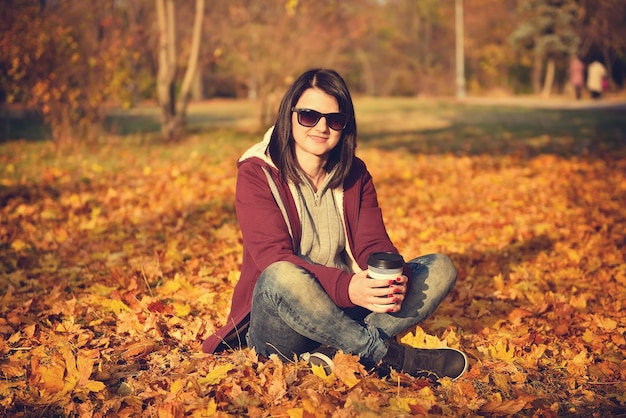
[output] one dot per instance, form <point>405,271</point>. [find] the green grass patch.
<point>406,125</point>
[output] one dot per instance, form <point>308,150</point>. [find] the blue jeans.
<point>292,314</point>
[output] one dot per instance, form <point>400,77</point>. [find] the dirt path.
<point>609,102</point>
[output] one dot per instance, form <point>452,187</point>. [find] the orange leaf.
<point>138,349</point>
<point>85,362</point>
<point>507,407</point>
<point>347,367</point>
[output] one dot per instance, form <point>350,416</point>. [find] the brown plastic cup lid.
<point>385,260</point>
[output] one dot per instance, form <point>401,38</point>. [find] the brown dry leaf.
<point>348,369</point>
<point>510,407</point>
<point>112,279</point>
<point>12,370</point>
<point>138,349</point>
<point>48,376</point>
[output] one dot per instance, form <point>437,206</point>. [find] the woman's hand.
<point>377,295</point>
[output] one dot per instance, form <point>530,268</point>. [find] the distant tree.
<point>397,47</point>
<point>489,57</point>
<point>173,101</point>
<point>267,43</point>
<point>546,30</point>
<point>603,32</point>
<point>423,38</point>
<point>66,60</point>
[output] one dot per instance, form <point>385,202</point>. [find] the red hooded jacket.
<point>271,232</point>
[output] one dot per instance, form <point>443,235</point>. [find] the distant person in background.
<point>595,76</point>
<point>576,70</point>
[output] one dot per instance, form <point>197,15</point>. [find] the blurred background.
<point>70,61</point>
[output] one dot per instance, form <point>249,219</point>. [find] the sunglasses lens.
<point>308,118</point>
<point>336,121</point>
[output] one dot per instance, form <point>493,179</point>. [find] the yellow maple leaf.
<point>72,375</point>
<point>498,281</point>
<point>181,310</point>
<point>85,361</point>
<point>321,373</point>
<point>172,286</point>
<point>93,386</point>
<point>346,368</point>
<point>172,252</point>
<point>211,407</point>
<point>100,289</point>
<point>216,375</point>
<point>19,245</point>
<point>502,351</point>
<point>49,377</point>
<point>420,339</point>
<point>401,404</point>
<point>605,323</point>
<point>114,305</point>
<point>578,364</point>
<point>574,255</point>
<point>295,412</point>
<point>176,386</point>
<point>578,301</point>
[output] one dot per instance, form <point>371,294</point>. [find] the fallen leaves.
<point>111,279</point>
<point>508,408</point>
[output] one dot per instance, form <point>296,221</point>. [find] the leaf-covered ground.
<point>117,262</point>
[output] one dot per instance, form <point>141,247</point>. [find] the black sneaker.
<point>322,356</point>
<point>433,364</point>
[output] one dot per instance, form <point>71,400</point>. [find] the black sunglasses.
<point>310,117</point>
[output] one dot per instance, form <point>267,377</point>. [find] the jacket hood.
<point>259,150</point>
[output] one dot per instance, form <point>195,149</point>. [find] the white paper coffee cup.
<point>384,266</point>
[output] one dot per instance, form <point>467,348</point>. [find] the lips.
<point>319,139</point>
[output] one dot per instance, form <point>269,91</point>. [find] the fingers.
<point>384,308</point>
<point>401,280</point>
<point>381,296</point>
<point>388,299</point>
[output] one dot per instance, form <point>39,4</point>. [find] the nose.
<point>323,127</point>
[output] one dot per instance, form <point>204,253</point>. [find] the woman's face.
<point>315,142</point>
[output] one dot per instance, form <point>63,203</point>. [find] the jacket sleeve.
<point>266,235</point>
<point>366,226</point>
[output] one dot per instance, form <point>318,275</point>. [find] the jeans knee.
<point>447,269</point>
<point>278,272</point>
<point>283,278</point>
<point>276,268</point>
<point>437,265</point>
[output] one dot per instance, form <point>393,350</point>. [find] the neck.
<point>315,178</point>
<point>313,169</point>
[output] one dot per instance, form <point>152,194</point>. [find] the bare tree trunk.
<point>368,74</point>
<point>166,71</point>
<point>192,64</point>
<point>197,87</point>
<point>173,114</point>
<point>536,73</point>
<point>269,105</point>
<point>549,80</point>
